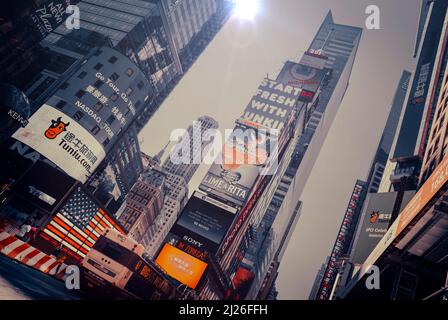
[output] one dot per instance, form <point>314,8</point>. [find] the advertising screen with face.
<point>244,157</point>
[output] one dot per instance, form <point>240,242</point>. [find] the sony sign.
<point>192,241</point>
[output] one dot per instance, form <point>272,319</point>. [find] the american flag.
<point>79,223</point>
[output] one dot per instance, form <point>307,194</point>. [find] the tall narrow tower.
<point>197,141</point>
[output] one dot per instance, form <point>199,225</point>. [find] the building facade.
<point>192,24</point>
<point>189,151</point>
<point>142,206</point>
<point>196,141</point>
<point>22,27</point>
<point>437,144</point>
<point>342,245</point>
<point>176,198</point>
<point>416,118</point>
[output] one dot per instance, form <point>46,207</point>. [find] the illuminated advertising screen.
<point>63,141</point>
<point>181,266</point>
<point>314,59</point>
<point>203,223</point>
<point>307,96</point>
<point>272,105</point>
<point>44,193</point>
<point>375,222</point>
<point>79,223</point>
<point>303,76</point>
<point>242,282</point>
<point>104,96</point>
<point>343,239</point>
<point>244,158</point>
<point>48,15</point>
<point>421,199</point>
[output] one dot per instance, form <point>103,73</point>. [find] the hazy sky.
<point>226,75</point>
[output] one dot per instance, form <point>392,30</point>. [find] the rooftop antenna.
<point>326,39</point>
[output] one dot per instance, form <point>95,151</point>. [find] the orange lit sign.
<point>181,266</point>
<point>437,179</point>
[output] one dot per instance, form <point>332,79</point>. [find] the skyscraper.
<point>341,247</point>
<point>339,43</point>
<point>379,163</point>
<point>135,30</point>
<point>192,24</point>
<point>416,118</point>
<point>318,280</point>
<point>191,148</point>
<point>87,94</point>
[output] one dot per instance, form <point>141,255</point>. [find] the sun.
<point>246,9</point>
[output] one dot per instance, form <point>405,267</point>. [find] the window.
<point>113,59</point>
<point>137,104</point>
<point>80,93</point>
<point>41,88</point>
<point>98,84</point>
<point>114,77</point>
<point>129,91</point>
<point>106,142</point>
<point>114,97</point>
<point>64,86</point>
<point>98,66</point>
<point>61,104</point>
<point>98,52</point>
<point>140,85</point>
<point>82,75</point>
<point>95,130</point>
<point>443,154</point>
<point>98,106</point>
<point>60,63</point>
<point>111,119</point>
<point>129,72</point>
<point>432,166</point>
<point>78,115</point>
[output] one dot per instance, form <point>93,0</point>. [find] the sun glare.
<point>246,9</point>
